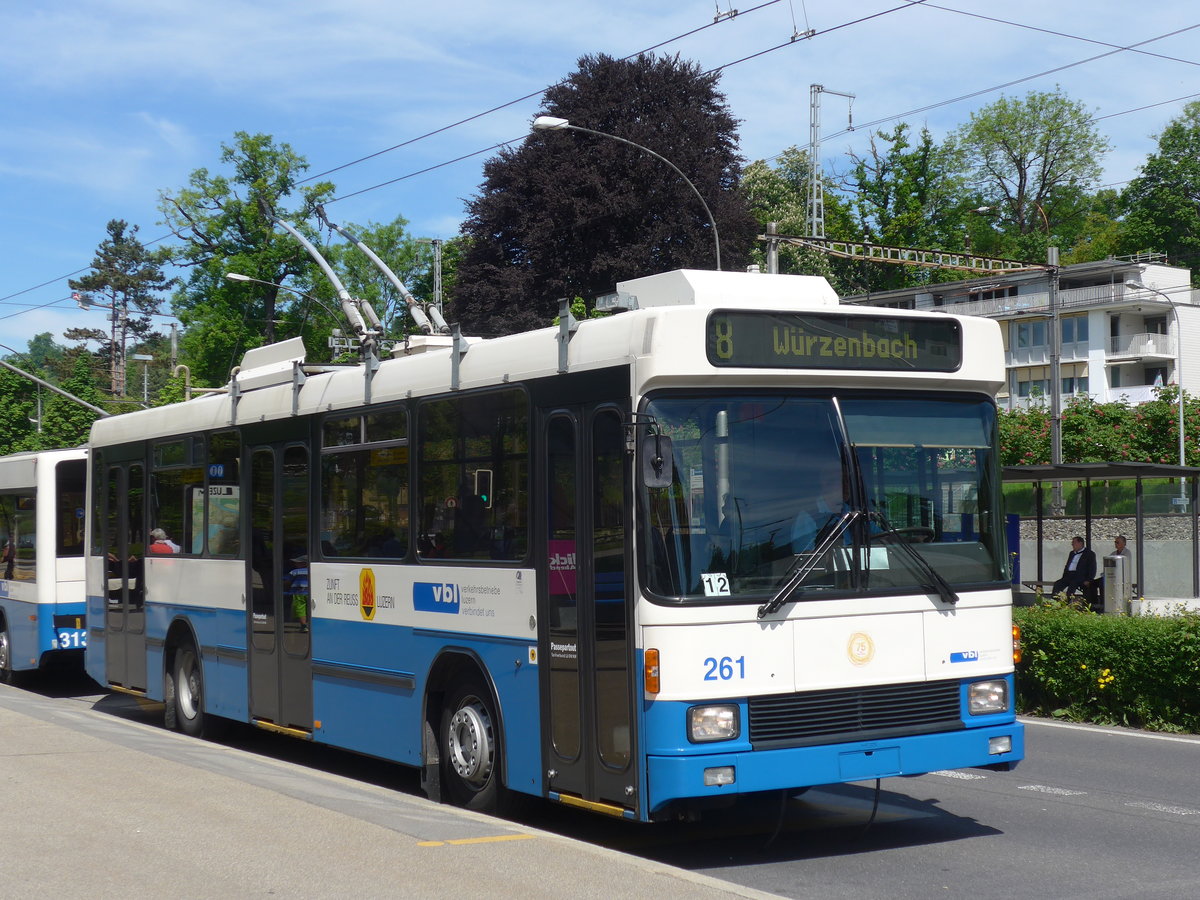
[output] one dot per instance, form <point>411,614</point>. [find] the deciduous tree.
<point>223,224</point>
<point>777,191</point>
<point>1163,202</point>
<point>568,213</point>
<point>1035,161</point>
<point>908,194</point>
<point>17,407</point>
<point>66,423</point>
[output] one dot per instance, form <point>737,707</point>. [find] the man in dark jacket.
<point>1079,572</point>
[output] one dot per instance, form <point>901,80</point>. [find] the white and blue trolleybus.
<point>733,541</point>
<point>41,559</point>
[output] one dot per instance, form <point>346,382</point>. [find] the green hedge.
<point>1140,671</point>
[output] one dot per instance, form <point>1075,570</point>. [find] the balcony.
<point>1133,394</point>
<point>1039,303</point>
<point>1141,346</point>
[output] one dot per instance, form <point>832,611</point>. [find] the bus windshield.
<point>822,496</point>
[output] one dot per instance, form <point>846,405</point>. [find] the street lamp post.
<point>1138,286</point>
<point>553,123</point>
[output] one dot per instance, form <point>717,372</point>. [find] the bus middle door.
<point>586,649</point>
<point>124,544</point>
<point>277,590</point>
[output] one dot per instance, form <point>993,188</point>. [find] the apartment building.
<point>1116,342</point>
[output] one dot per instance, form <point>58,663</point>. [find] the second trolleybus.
<point>735,540</point>
<point>41,559</point>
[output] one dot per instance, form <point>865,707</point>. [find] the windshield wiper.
<point>806,562</point>
<point>939,584</point>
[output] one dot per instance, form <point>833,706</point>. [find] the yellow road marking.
<point>493,839</point>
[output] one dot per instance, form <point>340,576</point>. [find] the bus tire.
<point>470,751</point>
<point>6,671</point>
<point>170,711</point>
<point>188,690</point>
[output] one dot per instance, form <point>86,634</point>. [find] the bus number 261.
<point>725,668</point>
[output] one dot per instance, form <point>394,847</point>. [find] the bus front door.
<point>124,544</point>
<point>278,589</point>
<point>586,647</point>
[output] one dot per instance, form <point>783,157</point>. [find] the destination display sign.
<point>833,341</point>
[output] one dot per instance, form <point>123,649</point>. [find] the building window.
<point>1031,334</point>
<point>993,293</point>
<point>1074,330</point>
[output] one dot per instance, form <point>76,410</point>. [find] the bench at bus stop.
<point>1043,589</point>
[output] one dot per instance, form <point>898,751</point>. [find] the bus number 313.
<point>723,669</point>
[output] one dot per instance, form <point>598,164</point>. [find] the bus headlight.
<point>713,723</point>
<point>987,697</point>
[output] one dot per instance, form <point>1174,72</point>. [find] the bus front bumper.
<point>717,775</point>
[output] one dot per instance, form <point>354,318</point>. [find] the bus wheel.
<point>189,693</point>
<point>6,672</point>
<point>471,749</point>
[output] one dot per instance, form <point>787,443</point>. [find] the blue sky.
<point>108,102</point>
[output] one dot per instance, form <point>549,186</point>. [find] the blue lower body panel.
<point>34,636</point>
<point>680,777</point>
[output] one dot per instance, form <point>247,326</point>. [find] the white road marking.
<point>1115,732</point>
<point>1162,807</point>
<point>965,776</point>
<point>1046,789</point>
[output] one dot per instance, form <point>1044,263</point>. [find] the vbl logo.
<point>440,597</point>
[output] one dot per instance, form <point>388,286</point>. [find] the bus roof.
<point>663,335</point>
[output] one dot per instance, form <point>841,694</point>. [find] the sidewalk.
<point>96,806</point>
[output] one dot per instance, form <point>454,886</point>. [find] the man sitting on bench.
<point>1079,573</point>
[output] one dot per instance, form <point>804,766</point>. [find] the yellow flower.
<point>1083,667</point>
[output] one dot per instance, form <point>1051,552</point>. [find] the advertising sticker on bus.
<point>562,566</point>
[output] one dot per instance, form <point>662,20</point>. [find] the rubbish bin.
<point>1118,584</point>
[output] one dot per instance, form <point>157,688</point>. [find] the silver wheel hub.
<point>471,743</point>
<point>188,690</point>
<point>3,651</point>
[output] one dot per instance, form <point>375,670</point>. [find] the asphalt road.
<point>1091,813</point>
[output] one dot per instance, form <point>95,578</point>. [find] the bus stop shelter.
<point>1041,475</point>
